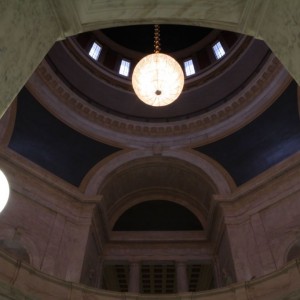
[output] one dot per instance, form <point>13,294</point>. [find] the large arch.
<point>24,47</point>
<point>41,23</point>
<point>214,172</point>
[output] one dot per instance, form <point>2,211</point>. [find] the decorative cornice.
<point>217,123</point>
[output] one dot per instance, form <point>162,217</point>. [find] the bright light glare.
<point>157,79</point>
<point>95,51</point>
<point>4,190</point>
<point>218,50</point>
<point>189,67</point>
<point>124,67</point>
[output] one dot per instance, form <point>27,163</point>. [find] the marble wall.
<point>262,218</point>
<point>50,219</point>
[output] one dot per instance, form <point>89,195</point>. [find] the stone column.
<point>66,244</point>
<point>49,263</point>
<point>99,273</point>
<point>217,273</point>
<point>181,276</point>
<point>134,278</point>
<point>262,244</point>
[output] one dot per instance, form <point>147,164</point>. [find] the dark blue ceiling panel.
<point>51,144</point>
<point>272,137</point>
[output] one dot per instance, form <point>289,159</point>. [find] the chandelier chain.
<point>156,39</point>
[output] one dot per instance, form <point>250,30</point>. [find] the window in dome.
<point>189,67</point>
<point>218,50</point>
<point>124,67</point>
<point>95,51</point>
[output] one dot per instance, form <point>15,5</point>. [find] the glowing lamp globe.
<point>157,79</point>
<point>4,190</point>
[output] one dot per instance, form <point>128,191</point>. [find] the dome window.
<point>189,68</point>
<point>95,51</point>
<point>218,50</point>
<point>124,67</point>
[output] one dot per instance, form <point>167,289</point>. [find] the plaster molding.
<point>158,236</point>
<point>225,119</point>
<point>160,250</point>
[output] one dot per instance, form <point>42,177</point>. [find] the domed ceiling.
<point>223,96</point>
<point>214,82</point>
<point>77,116</point>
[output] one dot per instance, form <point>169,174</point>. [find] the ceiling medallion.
<point>158,78</point>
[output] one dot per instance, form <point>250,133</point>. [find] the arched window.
<point>294,252</point>
<point>157,215</point>
<point>15,249</point>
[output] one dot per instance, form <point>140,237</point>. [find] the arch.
<point>214,172</point>
<point>139,197</point>
<point>293,251</point>
<point>12,234</point>
<point>15,249</point>
<point>257,20</point>
<point>283,250</point>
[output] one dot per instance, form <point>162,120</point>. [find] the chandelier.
<point>4,188</point>
<point>158,78</point>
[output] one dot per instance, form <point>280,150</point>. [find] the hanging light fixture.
<point>4,190</point>
<point>158,78</point>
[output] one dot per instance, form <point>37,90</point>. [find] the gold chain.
<point>156,39</point>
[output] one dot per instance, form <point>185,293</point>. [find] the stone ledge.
<point>19,280</point>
